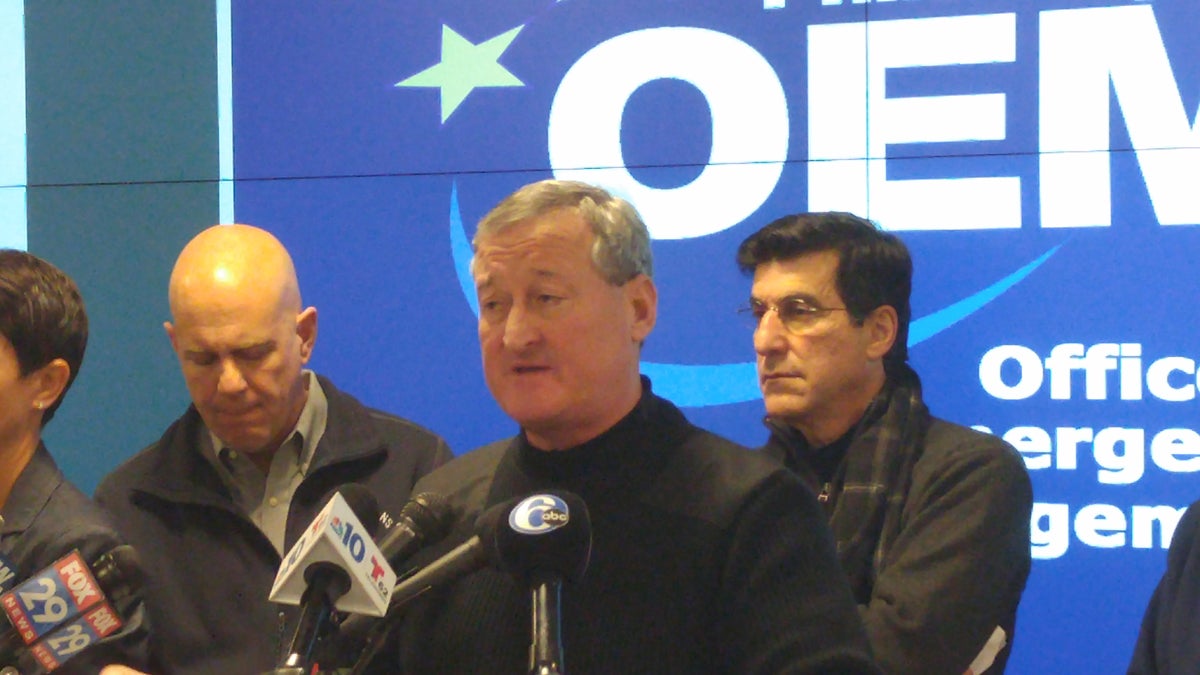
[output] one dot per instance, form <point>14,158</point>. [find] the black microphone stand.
<point>328,582</point>
<point>545,652</point>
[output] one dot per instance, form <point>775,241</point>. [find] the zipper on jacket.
<point>824,496</point>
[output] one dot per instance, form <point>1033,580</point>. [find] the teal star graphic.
<point>464,67</point>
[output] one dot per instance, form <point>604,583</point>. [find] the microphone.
<point>62,591</point>
<point>424,519</point>
<point>8,572</point>
<point>548,540</point>
<point>471,555</point>
<point>62,622</point>
<point>333,565</point>
<point>560,527</point>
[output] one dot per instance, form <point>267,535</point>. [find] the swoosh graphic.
<point>694,386</point>
<point>460,247</point>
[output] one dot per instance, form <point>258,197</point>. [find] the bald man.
<point>213,504</point>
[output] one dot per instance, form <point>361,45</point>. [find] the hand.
<point>120,670</point>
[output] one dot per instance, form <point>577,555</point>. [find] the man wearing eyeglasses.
<point>931,518</point>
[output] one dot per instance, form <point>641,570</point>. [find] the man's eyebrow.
<point>807,298</point>
<point>486,281</point>
<point>265,344</point>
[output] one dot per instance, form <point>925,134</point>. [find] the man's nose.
<point>770,336</point>
<point>521,328</point>
<point>232,381</point>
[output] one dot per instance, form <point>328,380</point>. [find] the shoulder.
<point>399,429</point>
<point>950,447</point>
<point>465,479</point>
<point>68,521</point>
<point>349,418</point>
<point>973,477</point>
<point>718,461</point>
<point>1184,540</point>
<point>137,470</point>
<point>713,478</point>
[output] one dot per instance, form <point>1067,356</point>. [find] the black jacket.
<point>210,567</point>
<point>705,558</point>
<point>46,518</point>
<point>1169,642</point>
<point>959,563</point>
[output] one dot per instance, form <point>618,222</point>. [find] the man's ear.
<point>306,328</point>
<point>643,304</point>
<point>49,382</point>
<point>171,335</point>
<point>882,326</point>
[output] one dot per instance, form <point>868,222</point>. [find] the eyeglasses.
<point>796,314</point>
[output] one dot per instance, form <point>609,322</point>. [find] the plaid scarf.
<point>872,482</point>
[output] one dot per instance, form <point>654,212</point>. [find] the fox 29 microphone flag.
<point>73,637</point>
<point>46,600</point>
<point>337,536</point>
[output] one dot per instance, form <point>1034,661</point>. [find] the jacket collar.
<point>31,491</point>
<point>179,473</point>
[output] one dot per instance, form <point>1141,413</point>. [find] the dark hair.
<point>41,315</point>
<point>874,267</point>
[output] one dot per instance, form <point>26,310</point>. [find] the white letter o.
<point>749,118</point>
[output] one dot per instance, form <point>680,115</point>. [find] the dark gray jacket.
<point>46,518</point>
<point>1169,642</point>
<point>705,558</point>
<point>958,564</point>
<point>210,567</point>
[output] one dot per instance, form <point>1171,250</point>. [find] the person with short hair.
<point>215,503</point>
<point>931,518</point>
<point>706,557</point>
<point>43,517</point>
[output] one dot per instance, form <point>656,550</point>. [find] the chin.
<point>783,410</point>
<point>534,419</point>
<point>243,443</point>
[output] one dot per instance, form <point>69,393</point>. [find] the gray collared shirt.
<point>265,498</point>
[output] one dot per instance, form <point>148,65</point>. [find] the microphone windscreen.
<point>364,505</point>
<point>119,572</point>
<point>546,533</point>
<point>431,515</point>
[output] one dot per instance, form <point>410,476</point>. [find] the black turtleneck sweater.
<point>706,558</point>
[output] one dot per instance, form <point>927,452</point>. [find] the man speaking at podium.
<point>706,557</point>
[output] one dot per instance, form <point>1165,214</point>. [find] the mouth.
<point>237,414</point>
<point>769,377</point>
<point>529,369</point>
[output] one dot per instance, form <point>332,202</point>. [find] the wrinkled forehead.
<point>539,248</point>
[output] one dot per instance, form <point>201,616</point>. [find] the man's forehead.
<point>230,326</point>
<point>545,255</point>
<point>490,277</point>
<point>812,274</point>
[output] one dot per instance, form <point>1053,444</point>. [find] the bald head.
<point>228,263</point>
<point>241,336</point>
